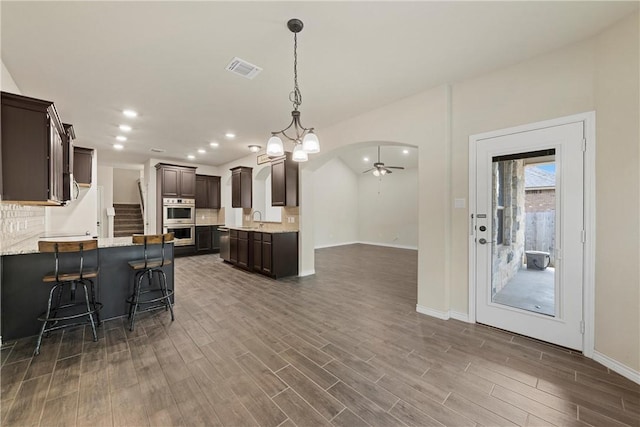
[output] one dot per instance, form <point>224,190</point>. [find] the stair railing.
<point>140,192</point>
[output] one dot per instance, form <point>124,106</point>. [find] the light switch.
<point>459,203</point>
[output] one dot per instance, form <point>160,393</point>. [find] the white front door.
<point>528,232</point>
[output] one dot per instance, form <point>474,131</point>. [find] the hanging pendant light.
<point>305,140</point>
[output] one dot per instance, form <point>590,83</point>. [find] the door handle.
<point>484,241</point>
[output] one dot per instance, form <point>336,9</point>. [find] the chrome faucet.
<point>253,215</point>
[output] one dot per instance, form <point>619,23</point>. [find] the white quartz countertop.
<point>31,247</point>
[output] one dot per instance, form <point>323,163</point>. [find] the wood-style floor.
<point>344,347</point>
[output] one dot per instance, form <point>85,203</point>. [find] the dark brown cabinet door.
<point>241,187</point>
<point>266,258</point>
<point>170,182</point>
<point>243,250</point>
<point>214,192</point>
<point>257,252</point>
<point>284,182</point>
<point>31,151</point>
<point>203,239</point>
<point>202,193</point>
<point>233,247</point>
<point>187,183</point>
<point>207,192</point>
<point>278,184</point>
<point>82,158</point>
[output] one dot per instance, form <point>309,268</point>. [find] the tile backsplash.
<point>20,227</point>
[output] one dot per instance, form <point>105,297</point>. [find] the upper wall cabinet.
<point>207,192</point>
<point>32,151</point>
<point>241,187</point>
<point>82,161</point>
<point>68,188</point>
<point>284,182</point>
<point>176,181</point>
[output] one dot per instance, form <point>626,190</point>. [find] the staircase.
<point>128,220</point>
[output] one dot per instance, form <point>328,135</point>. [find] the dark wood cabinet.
<point>204,242</point>
<point>32,151</point>
<point>233,246</point>
<point>284,182</point>
<point>68,179</point>
<point>176,181</point>
<point>188,183</point>
<point>207,192</point>
<point>241,187</point>
<point>275,254</point>
<point>82,161</point>
<point>207,239</point>
<point>245,254</point>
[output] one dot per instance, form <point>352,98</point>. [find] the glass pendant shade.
<point>275,146</point>
<point>310,143</point>
<point>376,172</point>
<point>383,171</point>
<point>299,155</point>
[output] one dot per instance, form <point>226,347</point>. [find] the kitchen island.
<point>24,296</point>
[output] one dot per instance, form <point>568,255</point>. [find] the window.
<point>500,204</point>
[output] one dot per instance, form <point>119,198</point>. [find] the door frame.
<point>588,303</point>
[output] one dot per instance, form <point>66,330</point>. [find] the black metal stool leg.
<point>44,322</point>
<point>135,302</point>
<point>165,291</point>
<point>86,298</point>
<point>93,302</point>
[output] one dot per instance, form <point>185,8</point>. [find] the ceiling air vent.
<point>243,68</point>
<point>157,150</point>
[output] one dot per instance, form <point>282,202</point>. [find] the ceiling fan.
<point>379,168</point>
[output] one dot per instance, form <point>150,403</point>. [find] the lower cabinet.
<point>272,254</point>
<point>207,239</point>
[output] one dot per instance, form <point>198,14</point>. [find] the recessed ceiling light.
<point>366,159</point>
<point>254,148</point>
<point>230,135</point>
<point>130,113</point>
<point>201,151</point>
<point>118,146</point>
<point>125,128</point>
<point>191,157</point>
<point>121,138</point>
<point>405,151</point>
<point>214,144</point>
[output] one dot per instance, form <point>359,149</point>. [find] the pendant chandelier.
<point>304,139</point>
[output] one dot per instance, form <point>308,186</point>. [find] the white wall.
<point>336,205</point>
<point>105,181</point>
<point>125,185</point>
<point>80,216</point>
<point>7,84</point>
<point>388,209</point>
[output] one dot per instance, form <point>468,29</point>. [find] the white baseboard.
<point>444,315</point>
<point>616,366</point>
<point>463,317</point>
<point>306,273</point>
<point>389,245</point>
<point>333,245</point>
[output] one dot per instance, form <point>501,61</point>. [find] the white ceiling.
<point>167,61</point>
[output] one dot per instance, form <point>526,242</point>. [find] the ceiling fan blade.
<point>394,167</point>
<point>368,170</point>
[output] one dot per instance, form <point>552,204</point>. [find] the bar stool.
<point>69,278</point>
<point>161,295</point>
